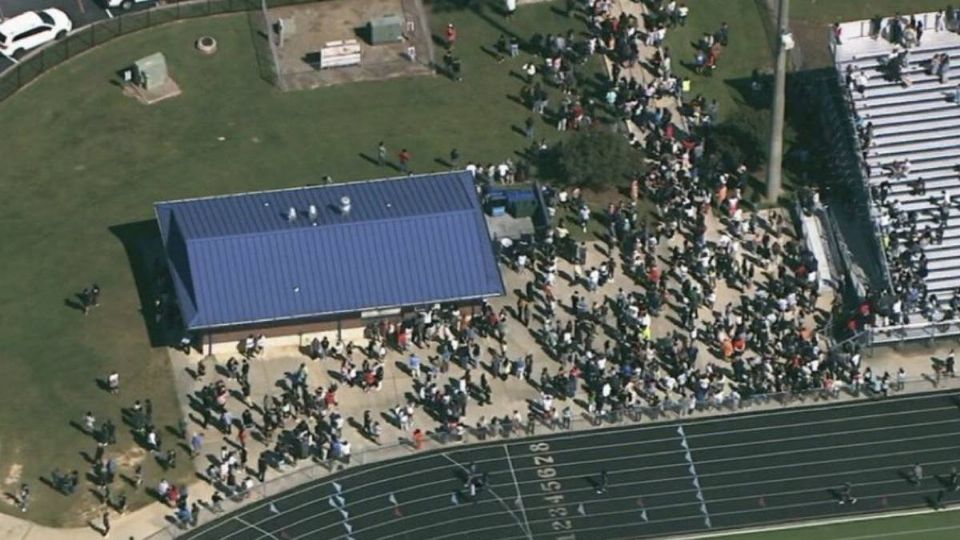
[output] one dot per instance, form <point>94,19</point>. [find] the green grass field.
<point>937,526</point>
<point>86,164</point>
<point>82,166</point>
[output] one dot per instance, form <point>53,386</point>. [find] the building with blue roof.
<point>325,257</point>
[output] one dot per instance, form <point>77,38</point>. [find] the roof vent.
<point>344,205</point>
<point>312,213</point>
<point>292,214</point>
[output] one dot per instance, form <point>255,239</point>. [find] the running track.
<point>743,470</point>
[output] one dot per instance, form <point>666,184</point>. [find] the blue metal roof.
<point>238,259</point>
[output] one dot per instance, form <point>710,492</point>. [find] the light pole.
<point>775,160</point>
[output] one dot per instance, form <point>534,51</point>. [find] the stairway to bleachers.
<point>918,121</point>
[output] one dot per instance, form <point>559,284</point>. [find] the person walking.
<point>194,514</point>
<point>381,154</point>
<point>404,158</point>
<point>603,483</point>
<point>916,474</point>
<point>196,444</point>
<point>105,524</point>
<point>846,494</point>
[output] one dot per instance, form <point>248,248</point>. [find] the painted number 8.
<point>539,447</point>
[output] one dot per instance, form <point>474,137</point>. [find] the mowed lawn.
<point>938,526</point>
<point>747,50</point>
<point>80,161</point>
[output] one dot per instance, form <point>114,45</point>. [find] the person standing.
<point>261,467</point>
<point>451,35</point>
<point>381,155</point>
<point>95,295</point>
<point>404,157</point>
<point>723,35</point>
<point>510,7</point>
<point>216,502</point>
<point>24,497</point>
<point>113,383</point>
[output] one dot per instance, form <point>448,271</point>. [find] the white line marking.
<point>80,5</point>
<point>800,410</point>
<point>513,473</point>
<point>816,523</point>
<point>696,479</point>
<point>494,493</point>
<point>268,534</point>
<point>109,14</point>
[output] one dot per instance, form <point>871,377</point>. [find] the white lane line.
<point>696,479</point>
<point>307,488</point>
<point>109,14</point>
<point>820,523</point>
<point>494,493</point>
<point>886,429</point>
<point>513,473</point>
<point>10,58</point>
<point>81,7</point>
<point>723,473</point>
<point>253,526</point>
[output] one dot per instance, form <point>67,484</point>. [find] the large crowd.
<point>702,303</point>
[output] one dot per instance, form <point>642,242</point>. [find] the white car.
<point>32,29</point>
<point>125,4</point>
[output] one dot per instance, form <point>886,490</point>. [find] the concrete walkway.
<point>637,10</point>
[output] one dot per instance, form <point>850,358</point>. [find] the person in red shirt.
<point>404,157</point>
<point>451,35</point>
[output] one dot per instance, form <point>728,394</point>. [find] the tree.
<point>596,158</point>
<point>739,140</point>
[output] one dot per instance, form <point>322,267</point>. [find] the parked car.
<point>125,4</point>
<point>32,29</point>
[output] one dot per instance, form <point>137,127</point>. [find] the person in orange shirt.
<point>727,348</point>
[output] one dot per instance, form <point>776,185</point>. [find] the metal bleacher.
<point>918,121</point>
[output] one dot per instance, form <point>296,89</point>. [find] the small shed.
<point>150,72</point>
<point>386,29</point>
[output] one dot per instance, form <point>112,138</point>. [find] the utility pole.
<point>775,156</point>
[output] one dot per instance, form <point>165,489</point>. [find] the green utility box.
<point>150,72</point>
<point>386,29</point>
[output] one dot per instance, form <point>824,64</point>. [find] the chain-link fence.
<point>41,60</point>
<point>308,30</point>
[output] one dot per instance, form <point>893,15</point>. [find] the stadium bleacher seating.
<point>918,121</point>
